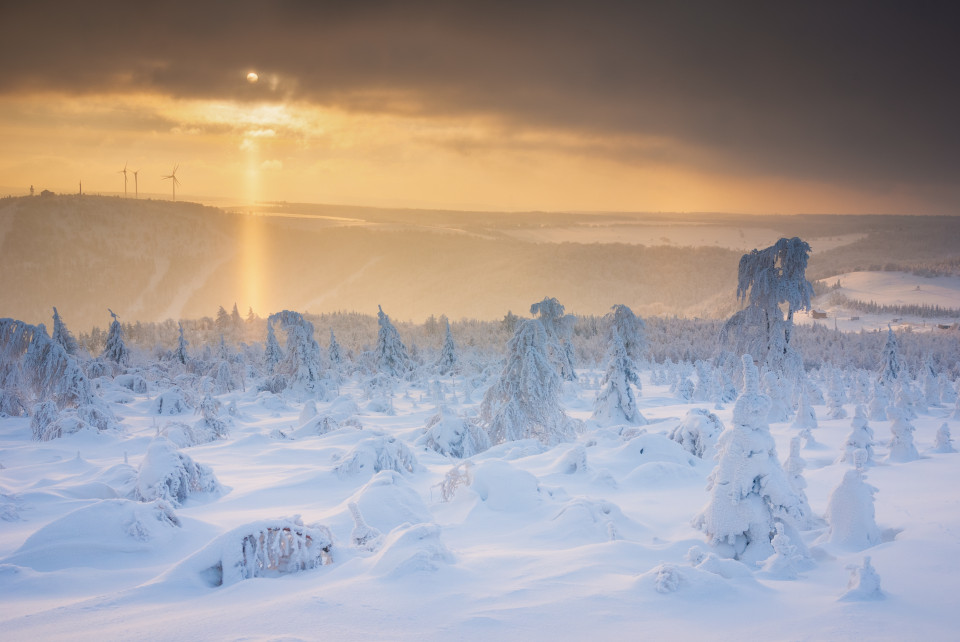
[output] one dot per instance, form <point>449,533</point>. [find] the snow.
<point>589,537</point>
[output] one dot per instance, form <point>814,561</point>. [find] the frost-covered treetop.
<point>776,274</point>
<point>752,406</point>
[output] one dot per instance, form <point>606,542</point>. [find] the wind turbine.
<point>124,172</point>
<point>173,179</point>
<point>136,187</point>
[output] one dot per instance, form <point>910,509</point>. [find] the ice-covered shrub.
<point>168,474</point>
<point>864,583</point>
<point>943,443</point>
<point>698,432</point>
<point>452,435</point>
<point>901,444</point>
<point>850,514</point>
<point>171,401</point>
<point>860,437</point>
<point>375,454</point>
<point>267,548</point>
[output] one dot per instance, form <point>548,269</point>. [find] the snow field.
<point>586,538</point>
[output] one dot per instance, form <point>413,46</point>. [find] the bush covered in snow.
<point>378,453</point>
<point>168,474</point>
<point>698,432</point>
<point>450,434</point>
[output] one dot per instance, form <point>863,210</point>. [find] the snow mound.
<point>165,473</point>
<point>698,432</point>
<point>171,401</point>
<point>502,487</point>
<point>387,500</point>
<point>102,535</point>
<point>412,548</point>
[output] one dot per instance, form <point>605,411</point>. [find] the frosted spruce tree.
<point>181,352</point>
<point>631,329</point>
<point>749,490</point>
<point>879,402</point>
<point>767,279</point>
<point>806,418</point>
<point>524,401</point>
<point>62,336</point>
<point>836,397</point>
<point>931,385</point>
<point>794,467</point>
<point>334,354</point>
<point>850,513</point>
<point>779,402</point>
<point>116,350</point>
<point>615,403</point>
<point>860,438</point>
<point>301,362</point>
<point>942,442</point>
<point>901,444</point>
<point>891,363</point>
<point>391,354</point>
<point>272,353</point>
<point>558,327</point>
<point>447,364</point>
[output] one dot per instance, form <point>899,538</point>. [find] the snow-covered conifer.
<point>454,436</point>
<point>703,390</point>
<point>794,467</point>
<point>779,402</point>
<point>524,401</point>
<point>615,403</point>
<point>447,363</point>
<point>836,397</point>
<point>301,363</point>
<point>272,352</point>
<point>901,444</point>
<point>631,328</point>
<point>62,336</point>
<point>749,490</point>
<point>860,438</point>
<point>334,354</point>
<point>879,402</point>
<point>181,352</point>
<point>943,443</point>
<point>891,363</point>
<point>697,432</point>
<point>391,354</point>
<point>558,327</point>
<point>786,561</point>
<point>766,279</point>
<point>864,583</point>
<point>806,418</point>
<point>947,394</point>
<point>850,514</point>
<point>116,350</point>
<point>931,386</point>
<point>363,535</point>
<point>166,473</point>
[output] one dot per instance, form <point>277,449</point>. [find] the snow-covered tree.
<point>272,352</point>
<point>766,279</point>
<point>864,583</point>
<point>836,397</point>
<point>697,432</point>
<point>181,352</point>
<point>631,328</point>
<point>779,402</point>
<point>391,354</point>
<point>806,418</point>
<point>524,401</point>
<point>301,363</point>
<point>891,363</point>
<point>615,402</point>
<point>558,327</point>
<point>786,561</point>
<point>166,473</point>
<point>943,443</point>
<point>334,354</point>
<point>62,336</point>
<point>879,402</point>
<point>931,385</point>
<point>454,436</point>
<point>448,355</point>
<point>749,490</point>
<point>860,438</point>
<point>850,514</point>
<point>116,350</point>
<point>901,444</point>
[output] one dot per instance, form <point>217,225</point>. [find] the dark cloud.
<point>864,93</point>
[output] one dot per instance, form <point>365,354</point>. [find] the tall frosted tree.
<point>524,401</point>
<point>749,490</point>
<point>272,352</point>
<point>181,352</point>
<point>301,362</point>
<point>767,280</point>
<point>62,336</point>
<point>615,403</point>
<point>448,354</point>
<point>891,363</point>
<point>116,350</point>
<point>391,354</point>
<point>334,354</point>
<point>631,328</point>
<point>558,327</point>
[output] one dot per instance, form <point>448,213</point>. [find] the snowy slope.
<point>890,289</point>
<point>584,540</point>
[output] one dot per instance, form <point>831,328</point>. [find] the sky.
<point>751,107</point>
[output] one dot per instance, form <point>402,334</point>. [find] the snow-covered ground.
<point>589,539</point>
<point>889,289</point>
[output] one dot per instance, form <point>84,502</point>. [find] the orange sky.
<point>511,111</point>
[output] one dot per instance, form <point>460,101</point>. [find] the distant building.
<point>818,314</point>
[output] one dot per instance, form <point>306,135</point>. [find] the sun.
<point>252,77</point>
